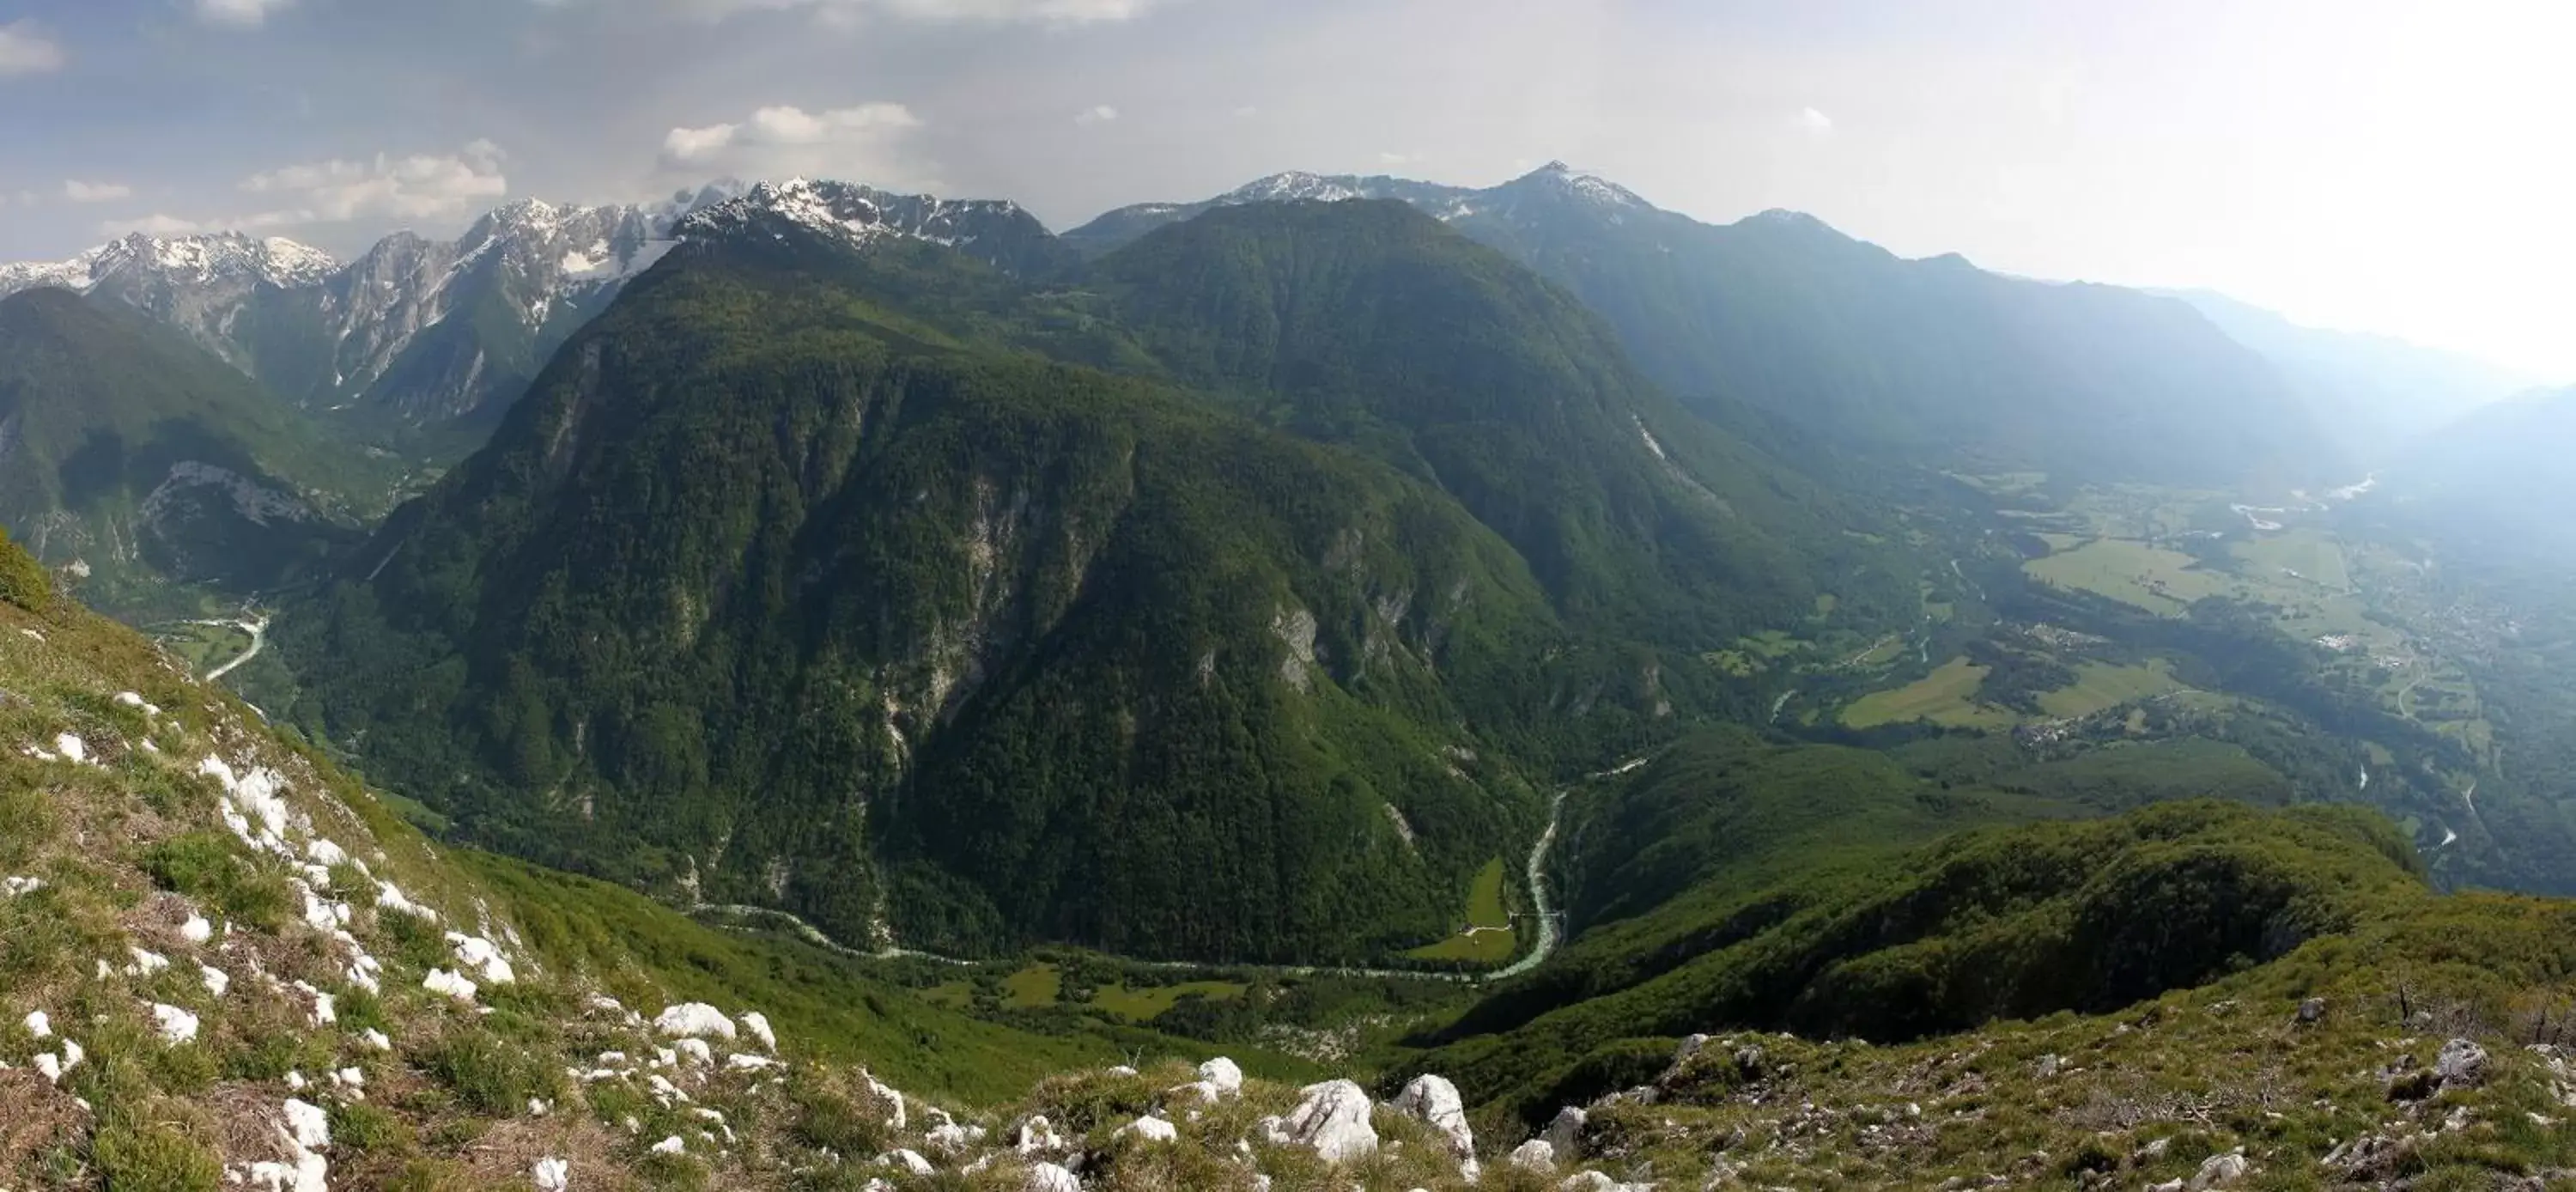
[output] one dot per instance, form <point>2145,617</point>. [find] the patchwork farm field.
<point>1945,697</point>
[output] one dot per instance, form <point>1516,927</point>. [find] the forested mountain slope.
<point>1370,324</point>
<point>1065,654</point>
<point>1928,361</point>
<point>135,460</point>
<point>768,592</point>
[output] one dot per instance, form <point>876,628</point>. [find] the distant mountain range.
<point>2374,394</point>
<point>1930,361</point>
<point>2496,482</point>
<point>1774,319</point>
<point>427,341</point>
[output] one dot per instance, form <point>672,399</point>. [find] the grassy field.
<point>203,646</point>
<point>2100,685</point>
<point>1486,909</point>
<point>2313,554</point>
<point>1753,655</point>
<point>1881,652</point>
<point>1139,1005</point>
<point>1037,985</point>
<point>2158,580</point>
<point>1947,696</point>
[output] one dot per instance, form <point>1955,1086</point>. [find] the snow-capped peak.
<point>856,214</point>
<point>179,260</point>
<point>1784,217</point>
<point>1296,185</point>
<point>1587,186</point>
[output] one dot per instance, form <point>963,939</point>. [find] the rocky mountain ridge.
<point>416,334</point>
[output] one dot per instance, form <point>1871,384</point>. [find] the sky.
<point>2383,165</point>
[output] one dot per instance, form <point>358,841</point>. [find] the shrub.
<point>154,1159</point>
<point>489,1075</point>
<point>832,1119</point>
<point>366,1128</point>
<point>206,867</point>
<point>23,581</point>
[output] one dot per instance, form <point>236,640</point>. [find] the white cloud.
<point>239,14</point>
<point>865,143</point>
<point>24,49</point>
<point>1052,12</point>
<point>155,224</point>
<point>95,192</point>
<point>419,186</point>
<point>1095,114</point>
<point>1815,122</point>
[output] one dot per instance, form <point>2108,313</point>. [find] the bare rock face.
<point>1332,1117</point>
<point>2220,1171</point>
<point>1534,1155</point>
<point>1565,1134</point>
<point>2461,1065</point>
<point>1436,1102</point>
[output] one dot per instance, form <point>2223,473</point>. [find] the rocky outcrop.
<point>1436,1102</point>
<point>1331,1117</point>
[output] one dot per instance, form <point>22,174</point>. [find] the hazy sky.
<point>2375,164</point>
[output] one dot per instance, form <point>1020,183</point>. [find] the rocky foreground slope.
<point>225,964</point>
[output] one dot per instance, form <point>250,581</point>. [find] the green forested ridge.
<point>1076,657</point>
<point>1932,359</point>
<point>2001,923</point>
<point>1906,360</point>
<point>1369,323</point>
<point>131,451</point>
<point>800,579</point>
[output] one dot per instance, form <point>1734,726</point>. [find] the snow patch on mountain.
<point>178,260</point>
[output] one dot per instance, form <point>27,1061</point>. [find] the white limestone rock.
<point>177,1026</point>
<point>454,985</point>
<point>308,1125</point>
<point>1331,1117</point>
<point>481,957</point>
<point>1434,1100</point>
<point>694,1020</point>
<point>1151,1129</point>
<point>1224,1073</point>
<point>1038,1137</point>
